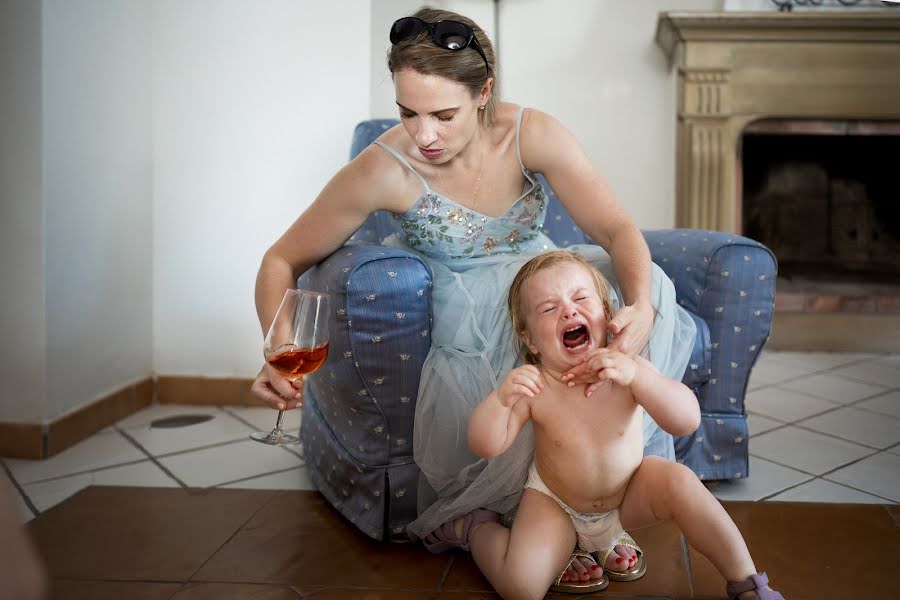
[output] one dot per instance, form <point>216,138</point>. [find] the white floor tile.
<point>836,389</point>
<point>880,431</point>
<point>294,479</point>
<point>263,419</point>
<point>819,361</point>
<point>757,424</point>
<point>876,474</point>
<point>785,405</point>
<point>769,371</point>
<point>46,494</point>
<point>891,360</point>
<point>222,464</point>
<point>886,404</point>
<point>143,418</point>
<point>765,479</point>
<point>870,372</point>
<point>806,451</point>
<point>99,450</point>
<point>821,490</point>
<point>161,441</point>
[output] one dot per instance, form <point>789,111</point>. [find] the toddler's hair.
<point>532,268</point>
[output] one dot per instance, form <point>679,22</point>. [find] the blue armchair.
<point>357,420</point>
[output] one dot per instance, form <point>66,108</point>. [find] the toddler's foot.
<point>583,568</point>
<point>621,559</point>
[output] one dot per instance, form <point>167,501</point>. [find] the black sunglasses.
<point>450,35</point>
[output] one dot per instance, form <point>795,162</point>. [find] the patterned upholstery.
<point>358,416</point>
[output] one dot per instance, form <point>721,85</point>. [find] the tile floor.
<point>824,427</point>
<point>202,512</point>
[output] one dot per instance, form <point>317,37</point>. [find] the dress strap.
<point>403,162</point>
<point>528,175</point>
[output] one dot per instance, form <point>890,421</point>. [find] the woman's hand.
<point>631,328</point>
<point>277,391</point>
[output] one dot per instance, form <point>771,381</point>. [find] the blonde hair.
<point>532,268</point>
<point>466,67</point>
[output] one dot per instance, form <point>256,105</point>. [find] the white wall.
<point>254,107</point>
<point>22,319</point>
<point>97,198</point>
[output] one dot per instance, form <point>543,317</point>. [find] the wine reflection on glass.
<point>296,345</point>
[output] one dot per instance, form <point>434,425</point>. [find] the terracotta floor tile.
<point>364,594</point>
<point>666,569</point>
<point>814,551</point>
<point>299,539</point>
<point>235,591</point>
<point>112,590</point>
<point>128,533</point>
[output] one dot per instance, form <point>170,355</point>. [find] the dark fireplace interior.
<point>825,197</point>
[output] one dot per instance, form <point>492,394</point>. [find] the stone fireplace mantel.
<point>737,68</point>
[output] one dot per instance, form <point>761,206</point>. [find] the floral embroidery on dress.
<point>440,228</point>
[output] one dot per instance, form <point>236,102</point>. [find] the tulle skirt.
<point>473,347</point>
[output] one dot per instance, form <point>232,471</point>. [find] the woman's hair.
<point>532,268</point>
<point>465,66</point>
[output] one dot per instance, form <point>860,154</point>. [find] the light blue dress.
<point>473,258</point>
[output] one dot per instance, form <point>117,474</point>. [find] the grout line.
<point>152,458</point>
<point>87,471</point>
<point>445,574</point>
<point>250,477</point>
<point>798,469</point>
<point>237,530</point>
<point>19,489</point>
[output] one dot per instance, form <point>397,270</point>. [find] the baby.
<point>588,458</point>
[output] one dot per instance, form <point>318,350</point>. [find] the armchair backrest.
<point>558,225</point>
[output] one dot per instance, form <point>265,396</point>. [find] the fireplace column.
<point>706,162</point>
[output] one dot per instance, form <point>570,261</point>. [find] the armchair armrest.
<point>728,281</point>
<point>357,425</point>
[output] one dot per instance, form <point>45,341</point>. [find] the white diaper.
<point>596,531</point>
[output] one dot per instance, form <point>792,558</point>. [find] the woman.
<point>457,175</point>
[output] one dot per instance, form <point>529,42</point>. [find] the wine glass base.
<point>275,438</point>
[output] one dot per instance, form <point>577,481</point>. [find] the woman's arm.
<point>372,181</point>
<point>497,420</point>
<point>549,148</point>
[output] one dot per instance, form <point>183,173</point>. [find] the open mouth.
<point>576,338</point>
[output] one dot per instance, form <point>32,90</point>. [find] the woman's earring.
<point>481,107</point>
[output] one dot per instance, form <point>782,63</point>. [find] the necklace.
<point>478,179</point>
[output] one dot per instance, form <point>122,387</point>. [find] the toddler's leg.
<point>661,490</point>
<point>522,562</point>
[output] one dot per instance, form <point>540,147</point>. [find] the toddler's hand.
<point>602,365</point>
<point>522,381</point>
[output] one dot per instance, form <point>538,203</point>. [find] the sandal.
<point>635,572</point>
<point>579,587</point>
<point>758,582</point>
<point>444,537</point>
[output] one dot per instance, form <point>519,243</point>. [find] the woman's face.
<point>564,315</point>
<point>440,115</point>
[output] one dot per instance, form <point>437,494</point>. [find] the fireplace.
<point>787,132</point>
<point>824,196</point>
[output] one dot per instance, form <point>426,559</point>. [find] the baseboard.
<point>42,440</point>
<point>835,332</point>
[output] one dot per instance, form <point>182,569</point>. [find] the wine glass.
<point>297,344</point>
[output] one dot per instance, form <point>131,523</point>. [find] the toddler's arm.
<point>671,404</point>
<point>497,420</point>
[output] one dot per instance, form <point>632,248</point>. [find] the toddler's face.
<point>564,316</point>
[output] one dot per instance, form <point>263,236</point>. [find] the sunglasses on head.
<point>450,35</point>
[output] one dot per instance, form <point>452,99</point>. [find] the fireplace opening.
<point>824,196</point>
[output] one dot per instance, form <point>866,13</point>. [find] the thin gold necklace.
<point>478,179</point>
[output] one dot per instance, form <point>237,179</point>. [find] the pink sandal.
<point>758,582</point>
<point>444,537</point>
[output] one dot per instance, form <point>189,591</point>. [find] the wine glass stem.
<point>278,422</point>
